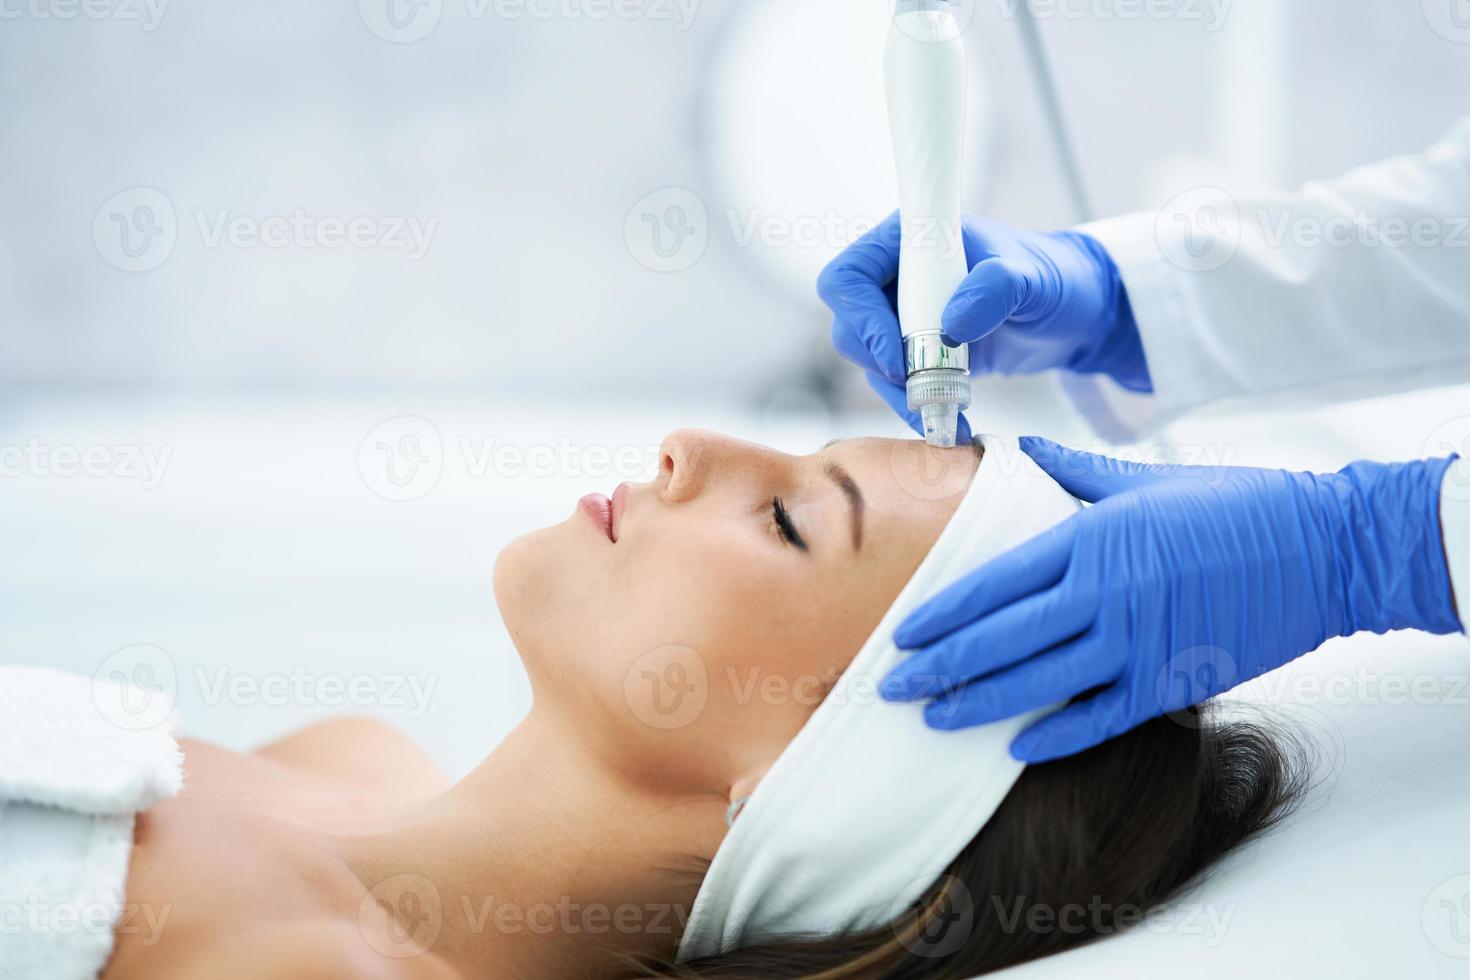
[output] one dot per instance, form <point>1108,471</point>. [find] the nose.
<point>681,459</point>
<point>688,458</point>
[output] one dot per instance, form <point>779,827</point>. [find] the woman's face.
<point>686,628</point>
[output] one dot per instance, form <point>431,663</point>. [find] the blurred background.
<point>309,308</point>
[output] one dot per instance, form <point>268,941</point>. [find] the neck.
<point>541,863</point>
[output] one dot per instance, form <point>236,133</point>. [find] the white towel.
<point>74,771</point>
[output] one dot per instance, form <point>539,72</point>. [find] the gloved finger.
<point>1076,727</point>
<point>848,341</point>
<point>1088,476</point>
<point>982,237</point>
<point>898,399</point>
<point>1052,677</point>
<point>1028,568</point>
<point>872,260</point>
<point>1006,637</point>
<point>855,285</point>
<point>989,295</point>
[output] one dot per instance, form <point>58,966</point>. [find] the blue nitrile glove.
<point>1177,584</point>
<point>1032,301</point>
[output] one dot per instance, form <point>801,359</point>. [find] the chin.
<point>524,579</point>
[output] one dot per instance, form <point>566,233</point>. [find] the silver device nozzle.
<point>938,385</point>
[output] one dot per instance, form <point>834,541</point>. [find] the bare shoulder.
<point>326,950</point>
<point>369,754</point>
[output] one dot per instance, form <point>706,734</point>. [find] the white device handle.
<point>925,74</point>
<point>925,71</point>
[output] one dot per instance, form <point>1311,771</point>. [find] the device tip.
<point>941,424</point>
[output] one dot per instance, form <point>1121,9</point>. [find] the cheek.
<point>712,653</point>
<point>716,592</point>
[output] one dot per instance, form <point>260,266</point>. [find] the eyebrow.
<point>838,475</point>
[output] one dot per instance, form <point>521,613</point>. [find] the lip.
<point>599,508</point>
<point>616,506</point>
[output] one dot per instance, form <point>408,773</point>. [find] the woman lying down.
<point>707,784</point>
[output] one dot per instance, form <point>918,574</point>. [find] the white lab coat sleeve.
<point>1352,287</point>
<point>1454,526</point>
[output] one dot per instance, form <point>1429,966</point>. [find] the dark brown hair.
<point>1081,847</point>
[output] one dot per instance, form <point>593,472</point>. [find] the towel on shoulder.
<point>80,757</point>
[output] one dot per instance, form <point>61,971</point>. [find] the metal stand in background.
<point>1046,90</point>
<point>1085,392</point>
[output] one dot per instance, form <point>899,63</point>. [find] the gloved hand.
<point>1177,584</point>
<point>1032,301</point>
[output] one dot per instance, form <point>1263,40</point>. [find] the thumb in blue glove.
<point>1177,584</point>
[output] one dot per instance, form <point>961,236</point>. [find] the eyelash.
<point>787,530</point>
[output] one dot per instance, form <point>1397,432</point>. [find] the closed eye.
<point>784,525</point>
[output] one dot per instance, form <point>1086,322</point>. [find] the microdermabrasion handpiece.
<point>925,69</point>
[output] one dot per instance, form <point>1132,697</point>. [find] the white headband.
<point>867,806</point>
